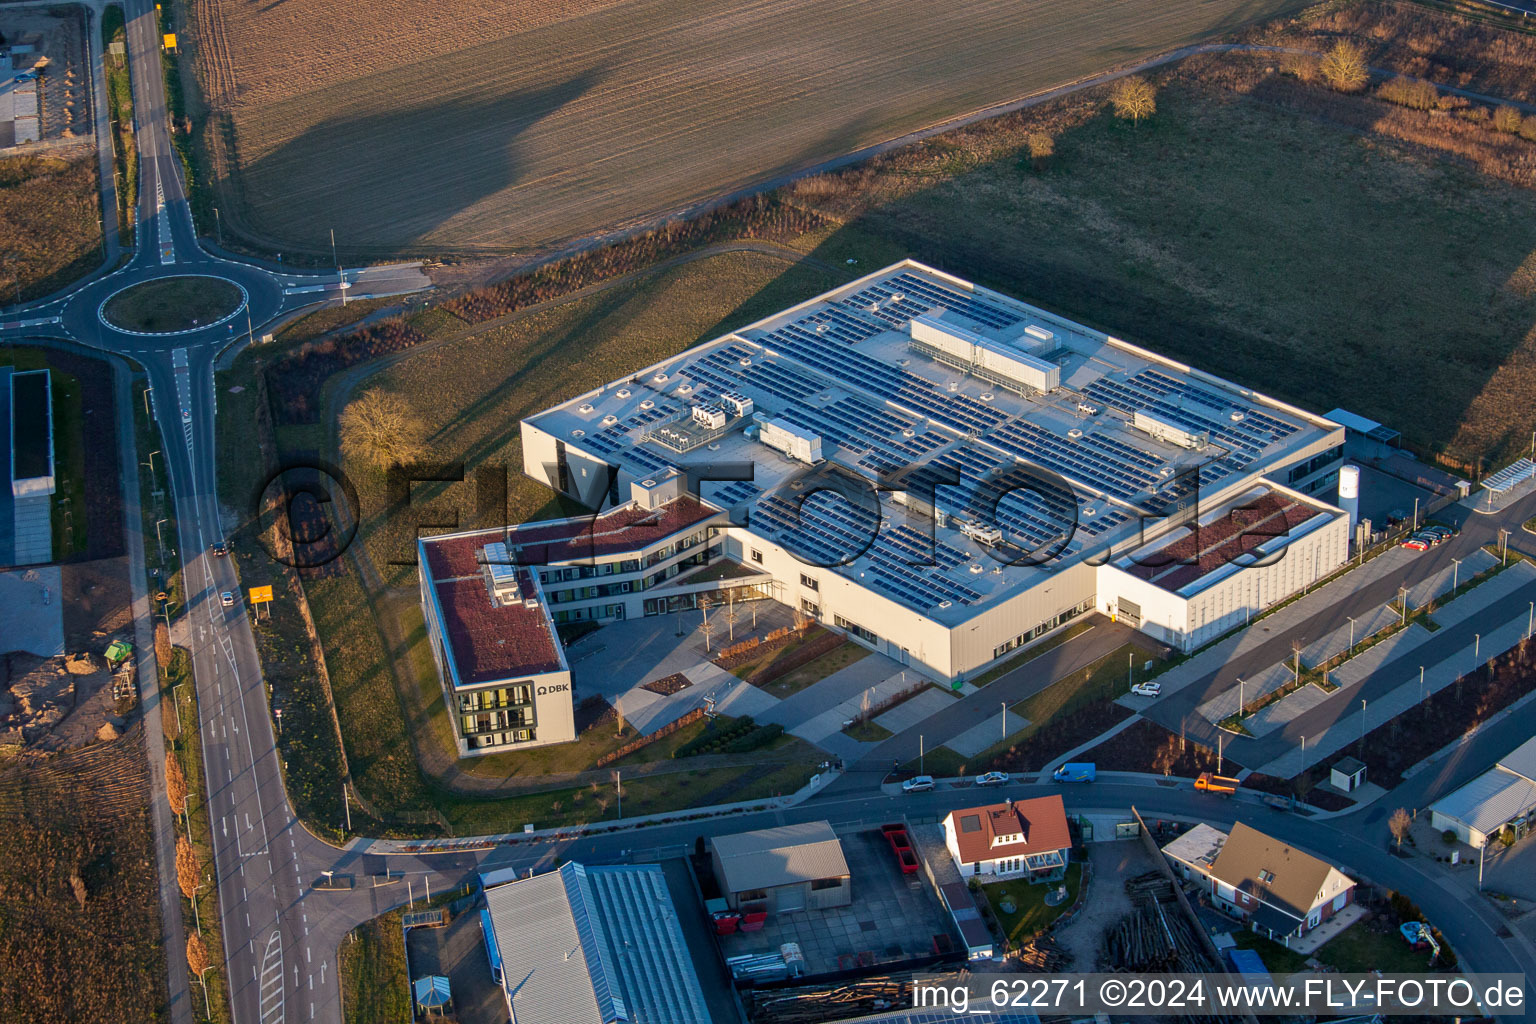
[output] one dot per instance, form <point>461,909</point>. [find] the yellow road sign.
<point>260,594</point>
<point>170,41</point>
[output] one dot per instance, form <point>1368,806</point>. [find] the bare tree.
<point>1134,98</point>
<point>1400,823</point>
<point>380,430</point>
<point>1344,67</point>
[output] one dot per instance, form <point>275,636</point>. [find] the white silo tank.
<point>1349,494</point>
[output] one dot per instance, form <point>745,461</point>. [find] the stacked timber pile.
<point>814,1005</point>
<point>1156,936</point>
<point>1044,955</point>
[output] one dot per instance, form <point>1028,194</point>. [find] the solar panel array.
<point>736,492</point>
<point>1123,473</point>
<point>829,530</point>
<point>918,295</point>
<point>1512,474</point>
<point>900,387</point>
<point>1195,408</point>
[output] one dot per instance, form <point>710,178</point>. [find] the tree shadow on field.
<point>458,152</point>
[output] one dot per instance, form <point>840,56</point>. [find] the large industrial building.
<point>940,471</point>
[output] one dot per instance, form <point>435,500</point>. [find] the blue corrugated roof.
<point>432,990</point>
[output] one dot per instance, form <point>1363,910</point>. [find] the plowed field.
<point>472,125</point>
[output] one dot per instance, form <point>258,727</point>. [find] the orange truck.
<point>1209,783</point>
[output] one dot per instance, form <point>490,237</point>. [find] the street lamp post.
<point>1503,546</point>
<point>1004,720</point>
<point>1455,573</point>
<point>1477,649</point>
<point>1351,619</point>
<point>1421,684</point>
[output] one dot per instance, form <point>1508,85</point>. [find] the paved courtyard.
<point>892,917</point>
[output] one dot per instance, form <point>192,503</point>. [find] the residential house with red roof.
<point>1026,839</point>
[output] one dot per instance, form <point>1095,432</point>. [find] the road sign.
<point>260,595</point>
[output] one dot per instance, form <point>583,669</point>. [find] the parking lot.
<point>892,916</point>
<point>458,952</point>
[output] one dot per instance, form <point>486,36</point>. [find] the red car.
<point>1415,544</point>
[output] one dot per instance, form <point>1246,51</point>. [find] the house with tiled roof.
<point>1276,889</point>
<point>1026,839</point>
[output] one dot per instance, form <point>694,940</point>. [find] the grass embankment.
<point>157,510</point>
<point>196,826</point>
<point>1072,710</point>
<point>374,984</point>
<point>1030,915</point>
<point>125,150</point>
<point>1028,654</point>
<point>797,679</point>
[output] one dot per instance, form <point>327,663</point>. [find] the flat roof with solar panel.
<point>1004,435</point>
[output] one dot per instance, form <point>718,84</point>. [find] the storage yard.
<point>487,129</point>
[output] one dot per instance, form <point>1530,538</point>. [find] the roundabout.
<point>181,304</point>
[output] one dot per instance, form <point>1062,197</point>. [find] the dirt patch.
<point>1105,902</point>
<point>668,685</point>
<point>97,601</point>
<point>52,704</point>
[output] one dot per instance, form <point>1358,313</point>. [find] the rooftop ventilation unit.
<point>660,378</point>
<point>610,419</point>
<point>1009,368</point>
<point>1167,430</point>
<point>988,535</point>
<point>578,432</point>
<point>1074,432</point>
<point>1040,333</point>
<point>584,407</point>
<point>1087,408</point>
<point>977,570</point>
<point>685,389</point>
<point>986,396</point>
<point>794,441</point>
<point>1237,416</point>
<point>623,392</point>
<point>647,404</point>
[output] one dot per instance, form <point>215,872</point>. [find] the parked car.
<point>1432,539</point>
<point>992,779</point>
<point>1147,689</point>
<point>920,784</point>
<point>1439,531</point>
<point>227,599</point>
<point>1416,544</point>
<point>1076,771</point>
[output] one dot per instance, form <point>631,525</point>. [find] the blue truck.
<point>1075,771</point>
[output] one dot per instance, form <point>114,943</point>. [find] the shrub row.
<point>740,736</point>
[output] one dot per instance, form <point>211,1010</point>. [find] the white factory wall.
<point>1186,623</point>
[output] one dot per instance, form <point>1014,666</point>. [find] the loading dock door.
<point>1128,612</point>
<point>791,897</point>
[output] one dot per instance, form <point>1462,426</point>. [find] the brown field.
<point>78,889</point>
<point>482,129</point>
<point>50,233</point>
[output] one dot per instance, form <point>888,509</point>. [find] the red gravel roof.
<point>487,642</point>
<point>1207,548</point>
<point>1042,820</point>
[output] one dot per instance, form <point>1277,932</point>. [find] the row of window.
<point>857,630</point>
<point>495,697</point>
<point>628,586</point>
<point>497,721</point>
<point>1041,629</point>
<point>500,739</point>
<point>567,573</point>
<point>1312,465</point>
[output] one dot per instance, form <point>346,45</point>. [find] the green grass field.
<point>375,985</point>
<point>1030,915</point>
<point>538,128</point>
